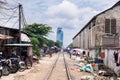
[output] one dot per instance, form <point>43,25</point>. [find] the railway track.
<point>59,69</point>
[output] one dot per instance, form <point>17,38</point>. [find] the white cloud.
<point>68,16</point>
<point>67,13</point>
<point>64,10</point>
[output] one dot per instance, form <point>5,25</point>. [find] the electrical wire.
<point>8,11</point>
<point>9,18</point>
<point>15,23</point>
<point>24,22</point>
<point>24,19</point>
<point>6,7</point>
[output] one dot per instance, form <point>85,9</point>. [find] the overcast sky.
<point>71,15</point>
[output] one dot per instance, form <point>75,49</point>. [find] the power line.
<point>7,12</point>
<point>6,7</point>
<point>15,23</point>
<point>24,19</point>
<point>9,18</point>
<point>24,22</point>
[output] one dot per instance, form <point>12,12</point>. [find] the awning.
<point>3,36</point>
<point>25,38</point>
<point>18,45</point>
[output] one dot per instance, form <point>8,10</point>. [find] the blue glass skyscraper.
<point>60,35</point>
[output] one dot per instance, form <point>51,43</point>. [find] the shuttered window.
<point>110,26</point>
<point>113,26</point>
<point>107,25</point>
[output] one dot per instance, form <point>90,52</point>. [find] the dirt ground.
<point>37,72</point>
<point>40,70</point>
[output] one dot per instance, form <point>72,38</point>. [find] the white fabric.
<point>117,70</point>
<point>119,58</point>
<point>25,38</point>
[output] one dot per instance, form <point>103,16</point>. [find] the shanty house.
<point>10,38</point>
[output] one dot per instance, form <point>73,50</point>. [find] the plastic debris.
<point>88,68</point>
<point>117,71</point>
<point>87,78</point>
<point>80,64</point>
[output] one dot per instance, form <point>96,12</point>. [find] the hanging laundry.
<point>116,57</point>
<point>88,54</point>
<point>118,61</point>
<point>102,55</point>
<point>99,51</point>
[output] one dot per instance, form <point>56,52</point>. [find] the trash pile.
<point>96,72</point>
<point>94,67</point>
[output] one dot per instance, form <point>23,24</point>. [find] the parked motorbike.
<point>1,68</point>
<point>28,63</point>
<point>9,66</point>
<point>5,70</point>
<point>21,64</point>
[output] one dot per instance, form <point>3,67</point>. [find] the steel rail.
<point>51,70</point>
<point>67,69</point>
<point>54,65</point>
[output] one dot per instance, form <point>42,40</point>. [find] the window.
<point>107,25</point>
<point>113,26</point>
<point>110,26</point>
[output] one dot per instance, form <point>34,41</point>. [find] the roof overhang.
<point>19,45</point>
<point>25,38</point>
<point>3,36</point>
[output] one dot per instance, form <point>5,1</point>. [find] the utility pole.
<point>20,9</point>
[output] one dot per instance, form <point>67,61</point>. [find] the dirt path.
<point>39,71</point>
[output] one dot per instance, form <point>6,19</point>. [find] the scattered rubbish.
<point>87,78</point>
<point>96,68</point>
<point>73,57</point>
<point>77,59</point>
<point>101,78</point>
<point>83,69</point>
<point>80,64</point>
<point>118,78</point>
<point>117,71</point>
<point>88,68</point>
<point>101,72</point>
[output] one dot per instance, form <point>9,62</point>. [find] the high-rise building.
<point>60,35</point>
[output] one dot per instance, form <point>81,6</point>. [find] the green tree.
<point>38,30</point>
<point>38,33</point>
<point>50,43</point>
<point>58,44</point>
<point>35,43</point>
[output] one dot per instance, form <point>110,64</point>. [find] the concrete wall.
<point>76,42</point>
